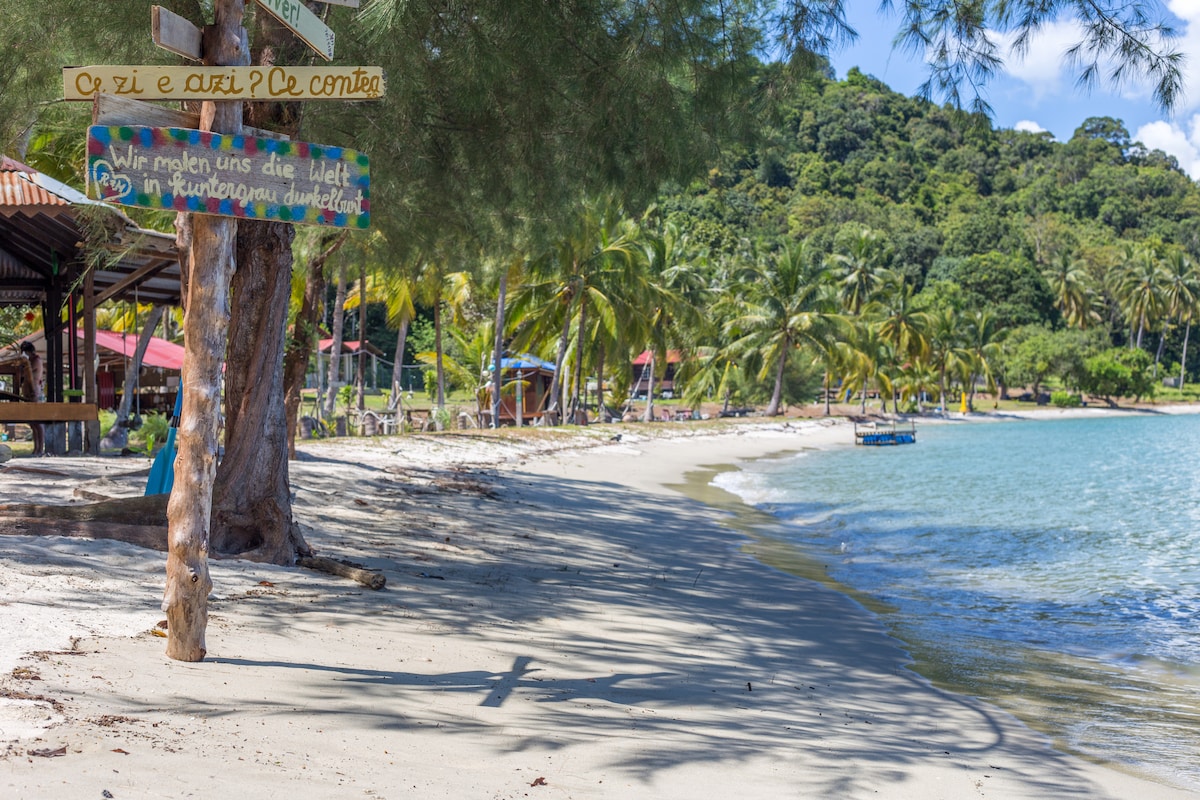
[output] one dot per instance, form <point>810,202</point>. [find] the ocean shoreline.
<point>556,612</point>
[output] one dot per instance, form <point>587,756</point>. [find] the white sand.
<point>555,625</point>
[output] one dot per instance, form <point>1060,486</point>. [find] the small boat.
<point>883,434</point>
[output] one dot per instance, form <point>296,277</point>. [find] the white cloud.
<point>1172,139</point>
<point>1029,126</point>
<point>1041,66</point>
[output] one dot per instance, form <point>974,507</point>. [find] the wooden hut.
<point>525,383</point>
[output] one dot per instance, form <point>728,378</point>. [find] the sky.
<point>1039,92</point>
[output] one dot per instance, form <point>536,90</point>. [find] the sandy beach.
<point>559,622</point>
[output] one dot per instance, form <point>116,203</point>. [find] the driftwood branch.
<point>344,569</point>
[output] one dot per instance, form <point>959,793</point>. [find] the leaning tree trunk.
<point>118,435</point>
<point>188,585</point>
<point>1183,359</point>
<point>335,349</point>
<point>252,510</point>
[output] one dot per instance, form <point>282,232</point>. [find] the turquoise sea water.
<point>1052,567</point>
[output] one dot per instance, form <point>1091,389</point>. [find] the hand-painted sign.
<point>304,23</point>
<point>225,83</point>
<point>229,175</point>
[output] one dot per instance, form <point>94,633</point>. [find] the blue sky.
<point>1039,91</point>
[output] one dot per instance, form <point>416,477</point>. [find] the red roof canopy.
<point>159,353</point>
<point>673,357</point>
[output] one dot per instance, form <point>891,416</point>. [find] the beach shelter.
<point>44,263</point>
<point>527,383</point>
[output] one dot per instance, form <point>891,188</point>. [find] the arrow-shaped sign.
<point>299,20</point>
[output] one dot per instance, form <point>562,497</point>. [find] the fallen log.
<point>372,579</point>
<point>150,510</point>
<point>153,537</point>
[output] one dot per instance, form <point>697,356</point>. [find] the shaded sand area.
<point>556,624</point>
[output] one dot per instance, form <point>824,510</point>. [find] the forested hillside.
<point>1093,234</point>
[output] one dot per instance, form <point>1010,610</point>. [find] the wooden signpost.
<point>175,33</point>
<point>229,175</point>
<point>224,83</point>
<point>305,24</point>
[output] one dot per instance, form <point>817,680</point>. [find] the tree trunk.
<point>335,349</point>
<point>498,349</point>
<point>185,599</point>
<point>304,335</point>
<point>561,356</point>
<point>1183,359</point>
<point>600,412</point>
<point>649,413</point>
<point>777,394</point>
<point>362,337</point>
<point>118,435</point>
<point>252,511</point>
<point>828,410</point>
<point>441,372</point>
<point>577,400</point>
<point>398,365</point>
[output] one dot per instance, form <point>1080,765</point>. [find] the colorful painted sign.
<point>225,83</point>
<point>229,175</point>
<point>299,20</point>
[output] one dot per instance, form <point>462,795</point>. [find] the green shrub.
<point>1066,399</point>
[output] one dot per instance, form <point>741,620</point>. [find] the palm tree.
<point>780,310</point>
<point>1139,290</point>
<point>1069,281</point>
<point>1181,295</point>
<point>588,271</point>
<point>945,338</point>
<point>675,296</point>
<point>901,325</point>
<point>858,270</point>
<point>979,350</point>
<point>864,355</point>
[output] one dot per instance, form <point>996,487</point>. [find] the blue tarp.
<point>524,361</point>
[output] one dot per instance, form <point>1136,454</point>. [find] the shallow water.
<point>1052,567</point>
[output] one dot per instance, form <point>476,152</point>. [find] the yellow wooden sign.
<point>225,83</point>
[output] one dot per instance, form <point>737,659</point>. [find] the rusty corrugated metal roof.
<point>17,187</point>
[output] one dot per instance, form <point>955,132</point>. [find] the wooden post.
<point>205,330</point>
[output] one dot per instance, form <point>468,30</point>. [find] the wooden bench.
<point>48,412</point>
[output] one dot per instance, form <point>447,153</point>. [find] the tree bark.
<point>335,349</point>
<point>185,600</point>
<point>251,512</point>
